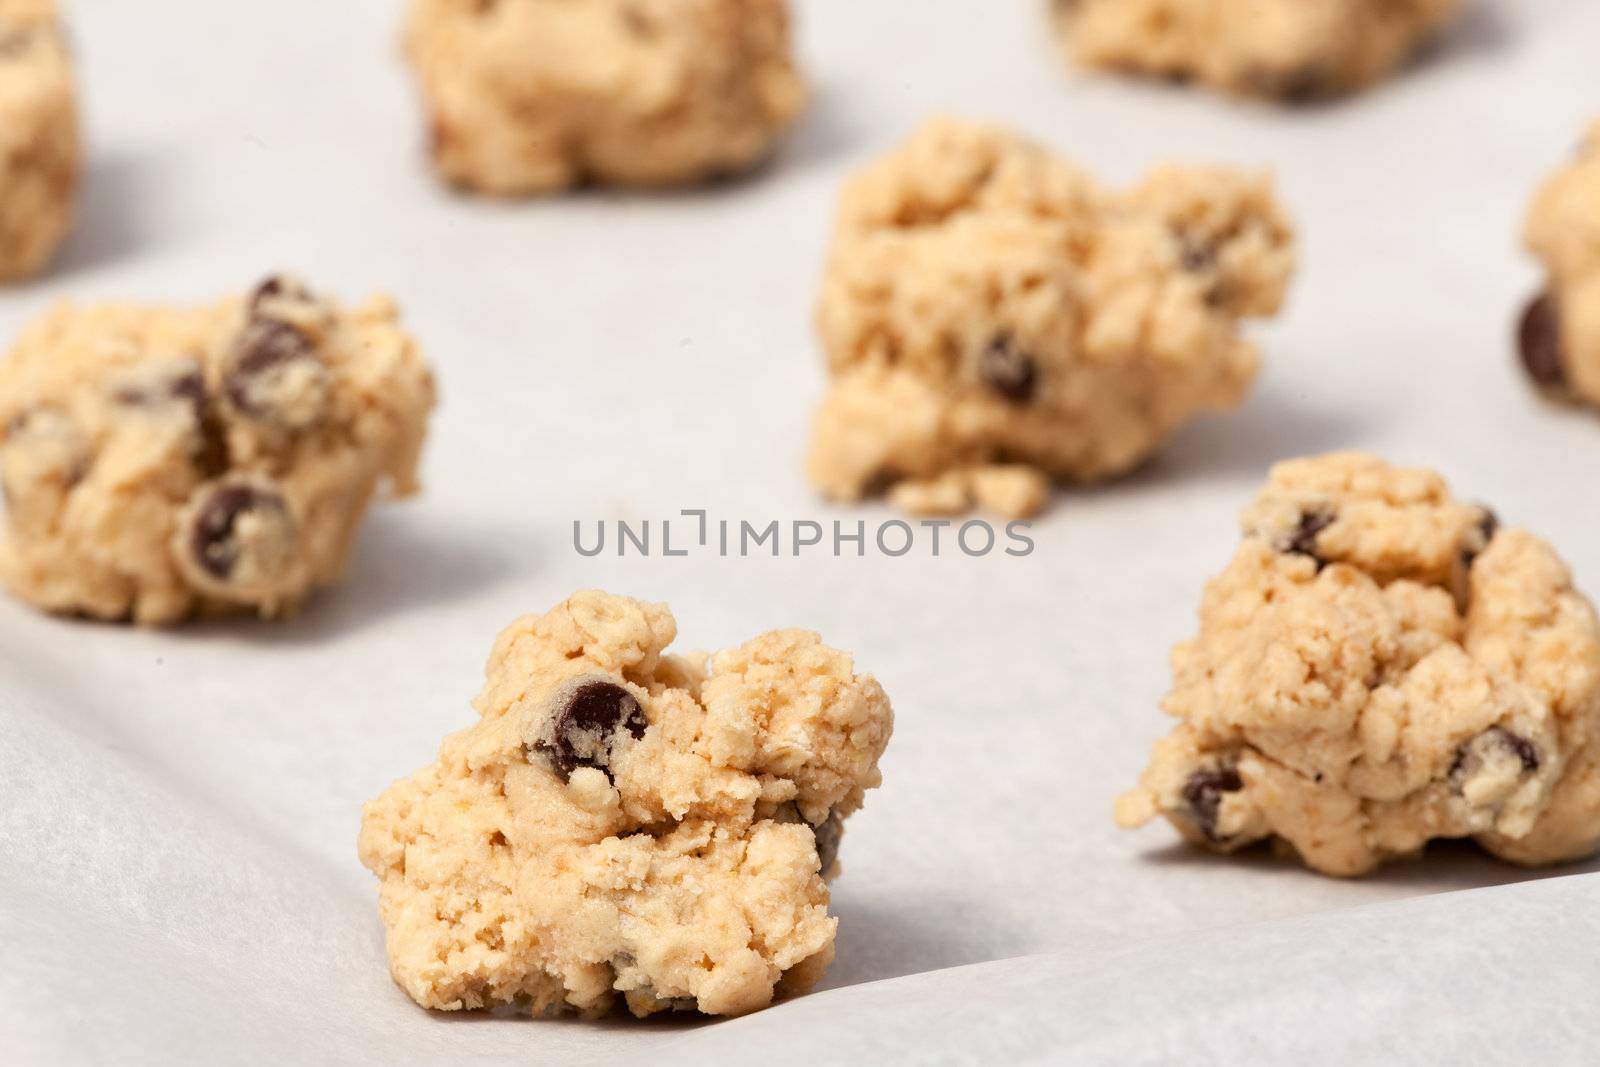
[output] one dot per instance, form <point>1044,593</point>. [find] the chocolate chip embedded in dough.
<point>275,286</point>
<point>1487,527</point>
<point>585,727</point>
<point>1196,254</point>
<point>179,382</point>
<point>1008,370</point>
<point>1303,541</point>
<point>241,532</point>
<point>1203,794</point>
<point>1472,754</point>
<point>1539,341</point>
<point>274,374</point>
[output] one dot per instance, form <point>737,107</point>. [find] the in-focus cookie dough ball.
<point>1559,335</point>
<point>1382,664</point>
<point>160,462</point>
<point>38,137</point>
<point>624,821</point>
<point>993,319</point>
<point>532,96</point>
<point>1293,50</point>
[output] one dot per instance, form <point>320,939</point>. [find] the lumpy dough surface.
<point>1285,49</point>
<point>994,320</point>
<point>39,151</point>
<point>1379,665</point>
<point>534,96</point>
<point>621,822</point>
<point>161,462</point>
<point>1560,331</point>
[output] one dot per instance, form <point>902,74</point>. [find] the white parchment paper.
<point>178,809</point>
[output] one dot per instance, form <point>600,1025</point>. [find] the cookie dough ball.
<point>994,319</point>
<point>158,463</point>
<point>1380,665</point>
<point>1559,334</point>
<point>38,137</point>
<point>1291,50</point>
<point>533,96</point>
<point>621,821</point>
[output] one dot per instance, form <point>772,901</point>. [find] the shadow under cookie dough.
<point>881,939</point>
<point>113,219</point>
<point>400,564</point>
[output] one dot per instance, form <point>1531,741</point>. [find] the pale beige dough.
<point>1559,336</point>
<point>161,462</point>
<point>1285,49</point>
<point>621,822</point>
<point>534,96</point>
<point>39,150</point>
<point>1381,665</point>
<point>994,320</point>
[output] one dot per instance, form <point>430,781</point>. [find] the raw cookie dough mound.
<point>38,137</point>
<point>993,319</point>
<point>1286,49</point>
<point>159,462</point>
<point>624,821</point>
<point>1382,664</point>
<point>1560,331</point>
<point>532,96</point>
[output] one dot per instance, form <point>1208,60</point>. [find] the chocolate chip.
<point>1303,542</point>
<point>277,285</point>
<point>880,482</point>
<point>828,834</point>
<point>1196,254</point>
<point>179,382</point>
<point>265,351</point>
<point>214,540</point>
<point>1488,526</point>
<point>1203,793</point>
<point>1009,372</point>
<point>1539,340</point>
<point>586,726</point>
<point>1520,746</point>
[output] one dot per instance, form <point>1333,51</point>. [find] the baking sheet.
<point>178,810</point>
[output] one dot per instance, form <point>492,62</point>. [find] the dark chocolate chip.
<point>1526,752</point>
<point>1524,749</point>
<point>587,724</point>
<point>828,834</point>
<point>183,383</point>
<point>1008,371</point>
<point>213,539</point>
<point>880,482</point>
<point>1303,542</point>
<point>1539,340</point>
<point>1197,254</point>
<point>263,347</point>
<point>1488,526</point>
<point>1203,793</point>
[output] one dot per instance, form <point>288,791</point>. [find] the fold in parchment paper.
<point>178,810</point>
